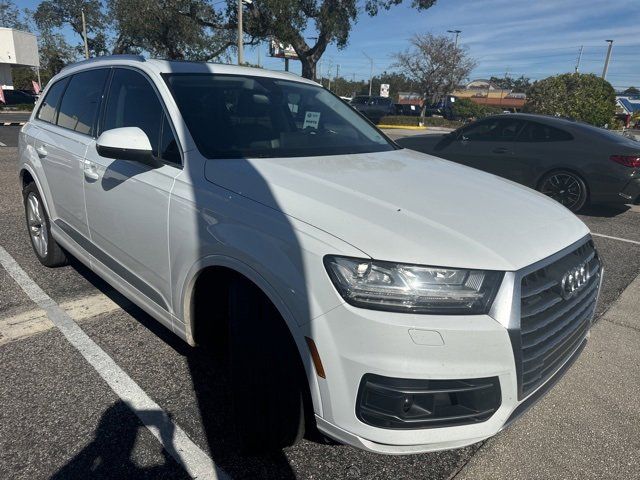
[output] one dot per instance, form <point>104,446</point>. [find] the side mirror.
<point>126,143</point>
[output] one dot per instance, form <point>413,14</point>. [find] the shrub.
<point>19,106</point>
<point>580,96</point>
<point>405,120</point>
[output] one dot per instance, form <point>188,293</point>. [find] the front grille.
<point>552,326</point>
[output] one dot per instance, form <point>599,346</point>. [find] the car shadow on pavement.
<point>604,211</point>
<point>115,435</point>
<point>111,453</point>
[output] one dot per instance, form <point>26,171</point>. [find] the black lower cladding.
<point>398,403</point>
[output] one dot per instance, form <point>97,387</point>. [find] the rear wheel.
<point>268,381</point>
<point>45,247</point>
<point>565,187</point>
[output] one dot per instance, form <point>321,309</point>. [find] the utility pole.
<point>240,39</point>
<point>457,32</point>
<point>606,62</point>
<point>337,77</point>
<point>84,35</point>
<point>579,58</point>
<point>370,71</point>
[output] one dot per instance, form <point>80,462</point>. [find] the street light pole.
<point>240,39</point>
<point>370,71</point>
<point>457,32</point>
<point>606,62</point>
<point>84,35</point>
<point>579,58</point>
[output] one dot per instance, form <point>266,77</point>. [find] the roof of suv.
<point>176,66</point>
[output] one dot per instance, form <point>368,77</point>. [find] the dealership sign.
<point>280,50</point>
<point>384,90</point>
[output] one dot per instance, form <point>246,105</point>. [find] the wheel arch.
<point>218,268</point>
<point>27,175</point>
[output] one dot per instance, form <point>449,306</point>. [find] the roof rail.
<point>136,58</point>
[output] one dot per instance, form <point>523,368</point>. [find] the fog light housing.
<point>398,403</point>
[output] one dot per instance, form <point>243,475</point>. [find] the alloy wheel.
<point>37,225</point>
<point>564,188</point>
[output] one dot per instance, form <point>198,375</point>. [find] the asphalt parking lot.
<point>60,419</point>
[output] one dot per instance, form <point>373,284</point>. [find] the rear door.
<point>542,147</point>
<point>127,202</point>
<point>66,126</point>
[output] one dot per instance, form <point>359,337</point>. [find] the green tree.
<point>435,64</point>
<point>517,85</point>
<point>153,26</point>
<point>580,96</point>
<point>632,91</point>
<point>295,21</point>
<point>10,16</point>
<point>53,15</point>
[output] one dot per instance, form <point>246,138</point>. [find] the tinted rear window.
<point>49,105</point>
<point>538,132</point>
<point>79,106</point>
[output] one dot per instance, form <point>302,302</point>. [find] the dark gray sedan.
<point>572,162</point>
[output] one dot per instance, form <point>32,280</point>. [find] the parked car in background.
<point>17,97</point>
<point>572,162</point>
<point>397,302</point>
<point>408,110</point>
<point>374,107</point>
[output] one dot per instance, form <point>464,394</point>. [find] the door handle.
<point>41,151</point>
<point>90,170</point>
<point>501,150</point>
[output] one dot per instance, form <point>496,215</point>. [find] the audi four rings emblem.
<point>574,280</point>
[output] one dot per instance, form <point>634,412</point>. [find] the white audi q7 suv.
<point>395,301</point>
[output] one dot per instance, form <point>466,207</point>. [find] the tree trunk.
<point>308,67</point>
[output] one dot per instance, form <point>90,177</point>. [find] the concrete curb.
<point>594,443</point>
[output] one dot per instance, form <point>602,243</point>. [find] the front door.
<point>127,201</point>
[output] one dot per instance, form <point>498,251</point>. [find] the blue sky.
<point>535,38</point>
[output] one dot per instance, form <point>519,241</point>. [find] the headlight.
<point>413,288</point>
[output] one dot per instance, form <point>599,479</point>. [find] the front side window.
<point>133,102</point>
<point>493,130</point>
<point>49,108</point>
<point>79,106</point>
<point>232,116</point>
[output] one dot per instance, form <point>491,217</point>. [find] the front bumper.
<point>354,342</point>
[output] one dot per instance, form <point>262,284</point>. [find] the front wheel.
<point>268,380</point>
<point>565,187</point>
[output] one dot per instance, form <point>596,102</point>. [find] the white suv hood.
<point>409,207</point>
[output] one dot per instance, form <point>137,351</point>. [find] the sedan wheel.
<point>566,188</point>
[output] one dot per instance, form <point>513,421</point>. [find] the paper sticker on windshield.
<point>311,120</point>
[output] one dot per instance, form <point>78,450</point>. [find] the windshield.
<point>232,116</point>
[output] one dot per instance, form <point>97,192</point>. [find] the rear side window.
<point>49,107</point>
<point>133,102</point>
<point>537,132</point>
<point>79,107</point>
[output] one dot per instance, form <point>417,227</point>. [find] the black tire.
<point>567,188</point>
<point>39,229</point>
<point>268,383</point>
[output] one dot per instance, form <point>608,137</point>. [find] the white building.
<point>17,48</point>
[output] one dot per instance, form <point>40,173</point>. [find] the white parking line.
<point>174,440</point>
<point>3,144</point>
<point>635,242</point>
